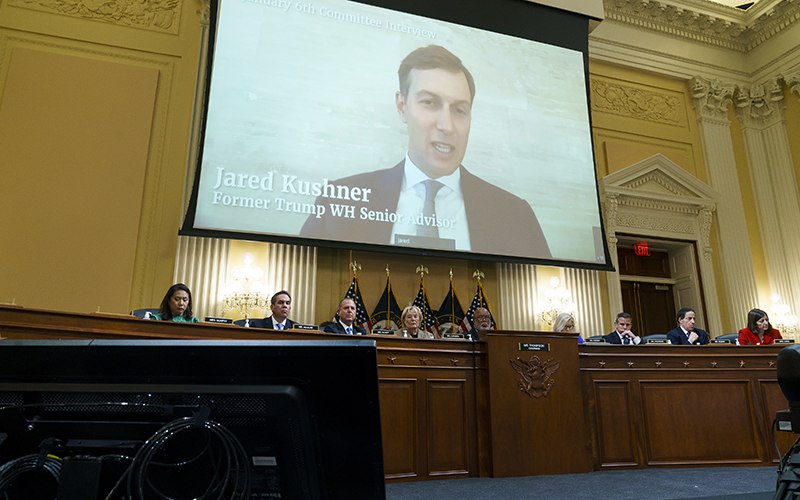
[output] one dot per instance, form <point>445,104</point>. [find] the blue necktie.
<point>280,326</point>
<point>626,340</point>
<point>349,331</point>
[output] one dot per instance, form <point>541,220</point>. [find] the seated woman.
<point>566,323</point>
<point>176,306</point>
<point>411,319</point>
<point>758,331</point>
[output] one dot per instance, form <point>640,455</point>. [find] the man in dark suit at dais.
<point>429,199</point>
<point>281,306</point>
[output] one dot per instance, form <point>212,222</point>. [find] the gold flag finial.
<point>355,266</point>
<point>451,274</point>
<point>387,270</point>
<point>422,270</point>
<point>478,274</point>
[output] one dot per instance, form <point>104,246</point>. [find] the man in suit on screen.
<point>429,199</point>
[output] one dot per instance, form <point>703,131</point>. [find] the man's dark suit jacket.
<point>677,337</point>
<point>498,221</point>
<point>473,335</point>
<point>269,324</point>
<point>338,328</point>
<point>613,338</point>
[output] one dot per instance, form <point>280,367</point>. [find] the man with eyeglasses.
<point>482,321</point>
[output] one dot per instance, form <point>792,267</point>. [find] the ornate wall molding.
<point>792,79</point>
<point>635,221</point>
<point>634,102</point>
<point>610,208</point>
<point>642,201</point>
<point>204,9</point>
<point>662,180</point>
<point>707,23</point>
<point>712,98</point>
<point>155,15</point>
<point>647,212</point>
<point>760,106</point>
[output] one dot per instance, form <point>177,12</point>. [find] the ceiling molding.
<point>707,22</point>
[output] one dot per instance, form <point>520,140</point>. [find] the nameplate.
<point>452,335</point>
<point>720,341</point>
<point>657,341</point>
<point>224,321</point>
<point>784,341</point>
<point>595,341</point>
<point>534,347</point>
<point>298,326</point>
<point>382,331</point>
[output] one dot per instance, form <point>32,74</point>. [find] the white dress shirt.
<point>635,340</point>
<point>449,203</point>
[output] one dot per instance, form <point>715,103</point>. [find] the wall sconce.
<point>780,315</point>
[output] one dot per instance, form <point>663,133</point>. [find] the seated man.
<point>622,333</point>
<point>686,333</point>
<point>281,305</point>
<point>483,321</point>
<point>347,313</point>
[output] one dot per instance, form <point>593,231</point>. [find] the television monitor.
<point>190,419</point>
<point>313,132</point>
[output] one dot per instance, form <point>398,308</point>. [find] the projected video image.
<point>338,121</point>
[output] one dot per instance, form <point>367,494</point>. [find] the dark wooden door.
<point>651,305</point>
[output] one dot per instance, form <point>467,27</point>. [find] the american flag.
<point>428,320</point>
<point>478,301</point>
<point>362,318</point>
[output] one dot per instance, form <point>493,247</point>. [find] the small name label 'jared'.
<point>298,326</point>
<point>224,321</point>
<point>534,347</point>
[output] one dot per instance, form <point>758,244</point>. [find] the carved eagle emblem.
<point>535,375</point>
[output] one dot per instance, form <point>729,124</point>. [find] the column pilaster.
<point>712,99</point>
<point>760,111</point>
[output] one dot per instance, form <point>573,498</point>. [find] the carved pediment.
<point>659,178</point>
<point>657,182</point>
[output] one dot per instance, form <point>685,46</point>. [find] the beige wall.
<point>95,106</point>
<point>636,115</point>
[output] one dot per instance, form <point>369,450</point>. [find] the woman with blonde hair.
<point>411,319</point>
<point>566,323</point>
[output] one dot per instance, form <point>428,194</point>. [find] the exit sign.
<point>642,248</point>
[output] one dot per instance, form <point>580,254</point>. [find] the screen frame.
<point>521,18</point>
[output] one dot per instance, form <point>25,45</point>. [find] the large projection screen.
<point>309,138</point>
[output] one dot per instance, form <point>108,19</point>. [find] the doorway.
<point>657,278</point>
